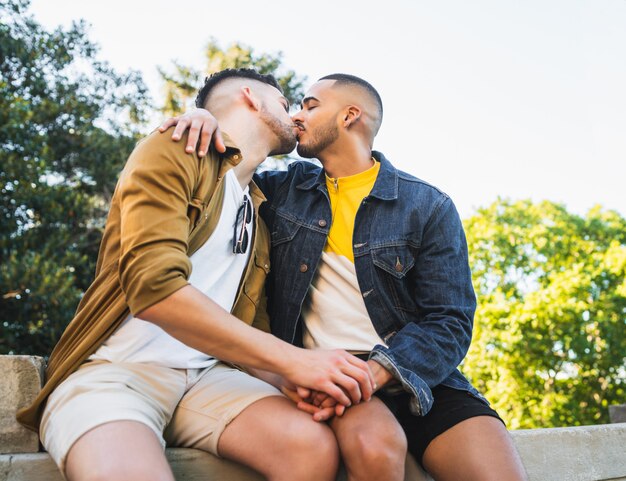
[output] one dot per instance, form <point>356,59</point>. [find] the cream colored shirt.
<point>334,313</point>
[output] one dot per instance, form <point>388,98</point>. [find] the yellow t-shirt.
<point>346,195</point>
<point>334,313</point>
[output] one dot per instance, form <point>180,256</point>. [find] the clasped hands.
<point>321,405</point>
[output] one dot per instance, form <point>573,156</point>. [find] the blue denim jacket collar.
<point>385,187</point>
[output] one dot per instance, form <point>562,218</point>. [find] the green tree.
<point>67,124</point>
<point>549,344</point>
<point>182,84</point>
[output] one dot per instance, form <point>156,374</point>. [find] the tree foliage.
<point>549,344</point>
<point>181,85</point>
<point>67,124</point>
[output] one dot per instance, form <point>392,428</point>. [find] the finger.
<point>207,131</point>
<point>335,391</point>
<point>324,414</point>
<point>362,378</point>
<point>181,126</point>
<point>349,387</point>
<point>339,410</point>
<point>292,395</point>
<point>364,366</point>
<point>307,407</point>
<point>319,398</point>
<point>194,135</point>
<point>218,141</point>
<point>168,123</point>
<point>303,392</point>
<point>328,402</point>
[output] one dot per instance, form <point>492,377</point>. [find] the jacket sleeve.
<point>425,352</point>
<point>155,190</point>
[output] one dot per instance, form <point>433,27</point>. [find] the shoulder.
<point>417,194</point>
<point>303,170</point>
<point>410,182</point>
<point>297,172</point>
<point>158,153</point>
<point>161,164</point>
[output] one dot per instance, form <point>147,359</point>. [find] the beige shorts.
<point>184,407</point>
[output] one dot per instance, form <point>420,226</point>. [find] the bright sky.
<point>488,98</point>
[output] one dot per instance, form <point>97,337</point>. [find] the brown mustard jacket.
<point>165,206</point>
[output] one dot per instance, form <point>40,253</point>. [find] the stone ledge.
<point>20,383</point>
<point>585,453</point>
<point>187,464</point>
<point>582,453</point>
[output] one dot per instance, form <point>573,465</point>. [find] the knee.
<point>313,445</point>
<point>385,450</point>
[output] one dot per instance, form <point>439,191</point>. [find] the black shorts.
<point>450,407</point>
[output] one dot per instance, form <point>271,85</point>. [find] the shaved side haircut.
<point>351,80</point>
<point>249,73</point>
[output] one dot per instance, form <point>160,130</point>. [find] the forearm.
<point>272,378</point>
<point>197,321</point>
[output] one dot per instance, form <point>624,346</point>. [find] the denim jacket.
<point>411,261</point>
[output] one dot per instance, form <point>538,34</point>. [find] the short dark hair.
<point>347,79</point>
<point>211,81</point>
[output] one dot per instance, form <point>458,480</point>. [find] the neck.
<point>346,160</point>
<point>251,138</point>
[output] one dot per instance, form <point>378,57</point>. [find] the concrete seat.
<point>584,453</point>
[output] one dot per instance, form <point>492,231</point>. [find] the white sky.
<point>510,98</point>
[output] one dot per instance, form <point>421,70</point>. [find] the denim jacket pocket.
<point>396,260</point>
<point>393,265</point>
<point>284,230</point>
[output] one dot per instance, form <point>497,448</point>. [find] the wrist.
<point>382,376</point>
<point>283,358</point>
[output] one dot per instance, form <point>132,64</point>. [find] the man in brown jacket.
<point>149,357</point>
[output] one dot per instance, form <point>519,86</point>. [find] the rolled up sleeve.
<point>155,190</point>
<point>425,352</point>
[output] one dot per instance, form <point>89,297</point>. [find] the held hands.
<point>342,376</point>
<point>322,406</point>
<point>202,125</point>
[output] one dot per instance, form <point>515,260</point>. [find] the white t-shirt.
<point>334,313</point>
<point>216,272</point>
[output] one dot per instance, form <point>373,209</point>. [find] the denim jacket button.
<point>322,223</point>
<point>304,268</point>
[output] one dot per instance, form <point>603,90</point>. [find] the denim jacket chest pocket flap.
<point>396,259</point>
<point>284,229</point>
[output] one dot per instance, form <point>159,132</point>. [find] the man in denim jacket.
<point>373,260</point>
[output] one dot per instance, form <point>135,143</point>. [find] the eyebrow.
<point>307,100</point>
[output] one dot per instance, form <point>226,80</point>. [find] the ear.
<point>250,98</point>
<point>351,115</point>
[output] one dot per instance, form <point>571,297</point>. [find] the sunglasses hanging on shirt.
<point>240,235</point>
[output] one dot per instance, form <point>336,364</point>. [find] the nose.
<point>297,117</point>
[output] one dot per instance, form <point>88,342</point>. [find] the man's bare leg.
<point>118,451</point>
<point>282,443</point>
<point>372,443</point>
<point>477,449</point>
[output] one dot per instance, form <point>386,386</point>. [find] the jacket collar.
<point>232,157</point>
<point>385,187</point>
